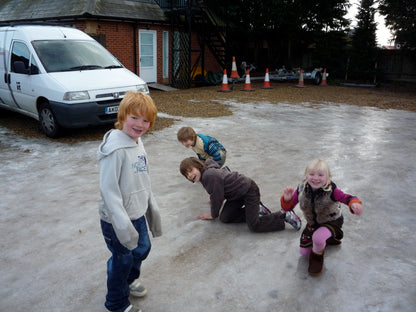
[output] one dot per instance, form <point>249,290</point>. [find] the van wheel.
<point>47,121</point>
<point>318,78</point>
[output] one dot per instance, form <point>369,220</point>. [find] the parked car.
<point>61,77</point>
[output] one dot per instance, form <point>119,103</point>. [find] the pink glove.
<point>355,207</point>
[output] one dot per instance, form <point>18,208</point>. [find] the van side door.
<point>5,44</point>
<point>23,71</point>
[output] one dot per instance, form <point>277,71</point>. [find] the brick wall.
<point>120,37</point>
<point>211,63</point>
<point>159,56</point>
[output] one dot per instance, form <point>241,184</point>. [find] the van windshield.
<point>71,55</point>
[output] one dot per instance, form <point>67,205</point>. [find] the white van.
<point>61,77</point>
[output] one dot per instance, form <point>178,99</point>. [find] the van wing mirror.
<point>19,68</point>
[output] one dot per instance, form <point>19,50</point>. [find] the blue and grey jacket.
<point>208,147</point>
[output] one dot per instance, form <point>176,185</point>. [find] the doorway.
<point>147,52</point>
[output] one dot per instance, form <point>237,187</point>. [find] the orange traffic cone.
<point>266,84</point>
<point>224,87</point>
<point>234,73</point>
<point>300,83</point>
<point>247,86</point>
<point>323,82</point>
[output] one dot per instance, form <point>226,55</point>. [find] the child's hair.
<point>186,133</point>
<point>191,162</point>
<point>319,165</point>
<point>132,102</point>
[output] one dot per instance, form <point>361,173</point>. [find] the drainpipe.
<point>135,47</point>
<point>188,72</point>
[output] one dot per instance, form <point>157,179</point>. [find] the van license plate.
<point>111,110</point>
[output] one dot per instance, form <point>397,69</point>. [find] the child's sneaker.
<point>263,210</point>
<point>132,308</point>
<point>137,290</point>
<point>293,219</point>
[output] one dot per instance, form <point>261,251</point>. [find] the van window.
<point>21,54</point>
<point>34,69</point>
<point>72,55</point>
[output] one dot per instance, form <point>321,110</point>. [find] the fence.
<point>397,65</point>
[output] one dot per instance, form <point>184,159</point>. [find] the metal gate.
<point>181,60</point>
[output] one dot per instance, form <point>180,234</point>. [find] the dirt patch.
<point>208,102</point>
<point>204,101</point>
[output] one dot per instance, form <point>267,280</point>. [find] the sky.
<point>383,34</point>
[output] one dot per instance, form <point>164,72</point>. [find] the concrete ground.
<point>53,256</point>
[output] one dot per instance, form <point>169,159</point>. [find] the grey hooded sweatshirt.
<point>125,189</point>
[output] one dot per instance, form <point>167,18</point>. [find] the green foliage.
<point>330,52</point>
<point>272,33</point>
<point>400,16</point>
<point>363,54</point>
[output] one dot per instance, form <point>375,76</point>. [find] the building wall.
<point>159,43</point>
<point>211,63</point>
<point>120,39</point>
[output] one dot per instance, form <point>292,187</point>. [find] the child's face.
<point>317,179</point>
<point>193,175</point>
<point>135,126</point>
<point>188,143</point>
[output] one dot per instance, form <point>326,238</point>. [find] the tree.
<point>400,16</point>
<point>363,54</point>
<point>279,32</point>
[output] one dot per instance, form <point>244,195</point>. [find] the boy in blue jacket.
<point>204,146</point>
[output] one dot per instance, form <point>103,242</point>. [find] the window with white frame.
<point>165,54</point>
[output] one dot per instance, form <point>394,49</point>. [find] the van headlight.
<point>142,88</point>
<point>76,96</point>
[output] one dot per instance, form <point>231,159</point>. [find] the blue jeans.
<point>123,267</point>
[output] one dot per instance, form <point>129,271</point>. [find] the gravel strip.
<point>207,102</point>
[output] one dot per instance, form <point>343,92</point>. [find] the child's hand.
<point>288,193</point>
<point>356,208</point>
<point>205,216</point>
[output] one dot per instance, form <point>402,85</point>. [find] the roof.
<point>35,10</point>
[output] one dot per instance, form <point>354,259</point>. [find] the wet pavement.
<point>53,257</point>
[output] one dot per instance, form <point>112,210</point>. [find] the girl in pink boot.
<point>319,199</point>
